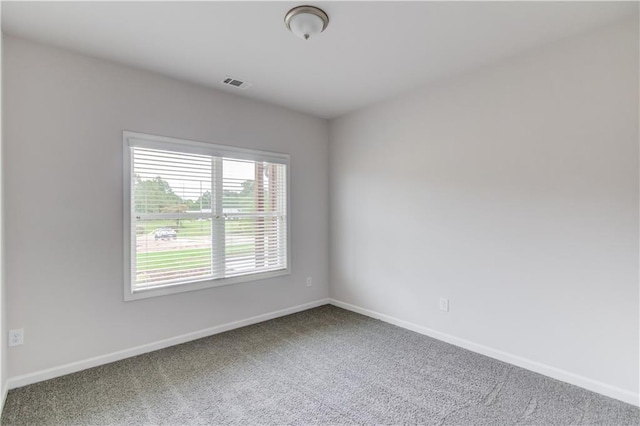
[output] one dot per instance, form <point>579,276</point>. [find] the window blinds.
<point>198,217</point>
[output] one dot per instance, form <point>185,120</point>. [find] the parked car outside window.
<point>165,234</point>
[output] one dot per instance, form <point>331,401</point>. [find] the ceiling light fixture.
<point>306,21</point>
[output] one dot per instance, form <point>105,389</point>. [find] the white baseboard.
<point>547,370</point>
<point>50,373</point>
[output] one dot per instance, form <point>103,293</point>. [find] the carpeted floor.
<point>322,366</point>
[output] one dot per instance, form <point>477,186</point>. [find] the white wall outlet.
<point>16,337</point>
<point>444,304</point>
<point>309,282</point>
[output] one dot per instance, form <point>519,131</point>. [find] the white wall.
<point>3,311</point>
<point>513,191</point>
<point>64,117</point>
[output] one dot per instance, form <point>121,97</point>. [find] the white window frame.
<point>136,139</point>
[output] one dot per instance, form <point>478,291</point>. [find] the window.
<point>199,215</point>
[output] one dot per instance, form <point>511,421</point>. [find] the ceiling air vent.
<point>230,81</point>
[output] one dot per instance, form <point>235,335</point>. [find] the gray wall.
<point>64,117</point>
<point>511,190</point>
<point>3,300</point>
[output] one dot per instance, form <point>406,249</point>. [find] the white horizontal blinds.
<point>171,217</point>
<point>254,206</point>
<point>198,217</point>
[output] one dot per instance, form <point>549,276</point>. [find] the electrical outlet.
<point>16,337</point>
<point>444,304</point>
<point>309,282</point>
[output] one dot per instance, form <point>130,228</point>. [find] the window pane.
<point>171,182</point>
<point>254,206</point>
<point>171,249</point>
<point>254,245</point>
<point>238,186</point>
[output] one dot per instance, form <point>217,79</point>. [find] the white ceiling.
<point>370,51</point>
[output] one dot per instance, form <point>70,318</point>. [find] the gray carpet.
<point>322,366</point>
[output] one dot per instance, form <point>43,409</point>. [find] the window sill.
<point>145,293</point>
